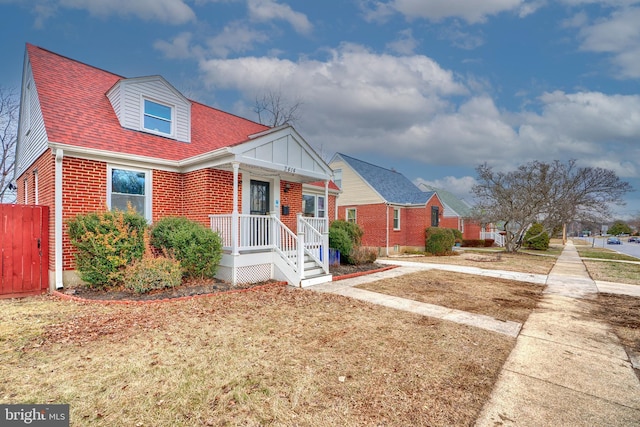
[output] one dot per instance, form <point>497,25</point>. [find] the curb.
<point>157,301</point>
<point>363,273</point>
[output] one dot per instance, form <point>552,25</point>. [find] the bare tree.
<point>9,110</point>
<point>274,109</point>
<point>552,194</point>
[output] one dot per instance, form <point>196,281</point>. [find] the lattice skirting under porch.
<point>247,274</point>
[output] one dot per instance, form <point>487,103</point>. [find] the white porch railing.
<point>267,232</point>
<point>316,239</point>
<point>497,237</point>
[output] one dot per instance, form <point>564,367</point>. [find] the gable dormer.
<point>151,104</point>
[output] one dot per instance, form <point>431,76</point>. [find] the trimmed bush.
<point>198,249</point>
<point>106,242</point>
<point>457,234</point>
<point>439,241</point>
<point>345,237</point>
<point>488,243</point>
<point>151,273</point>
<point>475,243</point>
<point>353,230</point>
<point>340,240</point>
<point>362,255</point>
<point>536,238</point>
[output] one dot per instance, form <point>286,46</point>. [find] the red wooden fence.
<point>24,245</point>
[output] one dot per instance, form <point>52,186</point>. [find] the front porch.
<point>258,248</point>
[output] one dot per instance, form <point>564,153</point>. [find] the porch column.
<point>325,230</point>
<point>234,214</point>
<point>58,218</point>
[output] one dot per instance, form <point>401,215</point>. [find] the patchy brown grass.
<point>275,357</point>
<point>500,298</point>
<point>494,260</point>
<point>609,271</point>
<point>623,314</point>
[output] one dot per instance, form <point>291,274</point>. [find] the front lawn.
<point>273,357</point>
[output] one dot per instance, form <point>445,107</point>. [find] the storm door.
<point>259,205</point>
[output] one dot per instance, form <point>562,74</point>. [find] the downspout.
<point>386,246</point>
<point>58,219</point>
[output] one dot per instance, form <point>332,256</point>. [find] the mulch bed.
<point>195,287</point>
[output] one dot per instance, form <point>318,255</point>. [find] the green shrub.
<point>198,249</point>
<point>345,237</point>
<point>106,242</point>
<point>536,238</point>
<point>457,234</point>
<point>353,230</point>
<point>339,239</point>
<point>151,273</point>
<point>439,241</point>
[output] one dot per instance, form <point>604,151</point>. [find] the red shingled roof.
<point>77,112</point>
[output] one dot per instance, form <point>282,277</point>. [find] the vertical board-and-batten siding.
<point>126,99</point>
<point>355,191</point>
<point>32,137</point>
<point>286,152</point>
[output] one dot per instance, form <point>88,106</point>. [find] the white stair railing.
<point>316,239</point>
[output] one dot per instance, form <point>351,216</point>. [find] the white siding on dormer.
<point>355,190</point>
<point>127,97</point>
<point>32,135</point>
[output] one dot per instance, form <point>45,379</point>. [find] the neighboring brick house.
<point>391,210</point>
<point>89,139</point>
<point>458,214</point>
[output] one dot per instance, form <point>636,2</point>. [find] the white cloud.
<point>405,44</point>
<point>235,37</point>
<point>268,10</point>
<point>179,47</point>
<point>461,187</point>
<point>437,10</point>
<point>618,35</point>
<point>168,11</point>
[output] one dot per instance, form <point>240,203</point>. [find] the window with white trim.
<point>126,187</point>
<point>337,177</point>
<point>157,117</point>
<point>26,191</point>
<point>313,206</point>
<point>351,215</point>
<point>396,219</point>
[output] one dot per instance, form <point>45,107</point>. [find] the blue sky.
<point>432,88</point>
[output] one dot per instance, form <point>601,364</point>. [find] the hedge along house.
<point>89,140</point>
<point>393,213</point>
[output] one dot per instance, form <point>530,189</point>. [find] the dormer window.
<point>157,118</point>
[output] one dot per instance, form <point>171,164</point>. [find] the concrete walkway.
<point>346,288</point>
<point>566,369</point>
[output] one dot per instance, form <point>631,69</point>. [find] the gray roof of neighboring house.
<point>392,186</point>
<point>460,207</point>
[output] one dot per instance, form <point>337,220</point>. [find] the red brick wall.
<point>168,191</point>
<point>376,219</point>
<point>208,192</point>
<point>293,199</point>
<point>84,190</point>
<point>45,165</point>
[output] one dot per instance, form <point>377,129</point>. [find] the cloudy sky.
<point>432,88</point>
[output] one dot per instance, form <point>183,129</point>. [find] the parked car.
<point>634,239</point>
<point>613,241</point>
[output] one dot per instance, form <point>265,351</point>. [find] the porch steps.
<point>314,274</point>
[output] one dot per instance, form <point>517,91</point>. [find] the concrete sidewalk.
<point>566,369</point>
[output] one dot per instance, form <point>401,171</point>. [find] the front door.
<point>259,205</point>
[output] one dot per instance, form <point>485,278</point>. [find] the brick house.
<point>391,210</point>
<point>458,214</point>
<point>89,139</point>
